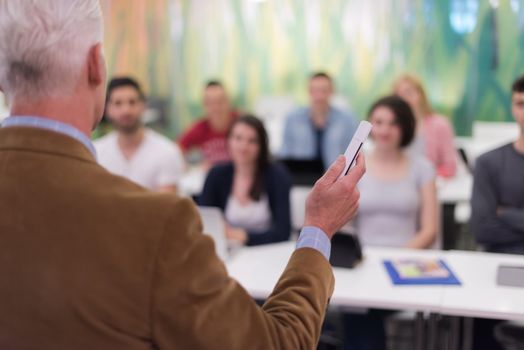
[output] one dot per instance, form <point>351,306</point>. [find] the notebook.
<point>420,272</point>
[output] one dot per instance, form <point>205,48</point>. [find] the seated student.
<point>497,213</point>
<point>497,205</point>
<point>208,135</point>
<point>134,151</point>
<point>435,137</point>
<point>398,205</point>
<point>320,131</point>
<point>252,191</point>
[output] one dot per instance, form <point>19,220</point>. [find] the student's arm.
<point>281,222</point>
<point>447,153</point>
<point>486,225</point>
<point>425,237</point>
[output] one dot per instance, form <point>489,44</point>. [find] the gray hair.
<point>44,43</point>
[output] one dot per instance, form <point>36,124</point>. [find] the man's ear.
<point>96,66</point>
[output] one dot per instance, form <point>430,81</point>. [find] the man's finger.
<point>334,171</point>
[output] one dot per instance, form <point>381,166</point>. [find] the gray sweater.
<point>499,183</point>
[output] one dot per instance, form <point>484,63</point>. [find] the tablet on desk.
<point>510,276</point>
<point>420,271</point>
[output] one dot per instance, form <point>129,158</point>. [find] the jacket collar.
<point>38,140</point>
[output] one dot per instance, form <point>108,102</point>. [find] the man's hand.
<point>331,203</point>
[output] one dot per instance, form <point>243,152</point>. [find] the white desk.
<point>479,295</point>
<point>369,286</point>
<point>366,286</point>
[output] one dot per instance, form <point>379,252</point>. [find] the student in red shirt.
<point>208,135</point>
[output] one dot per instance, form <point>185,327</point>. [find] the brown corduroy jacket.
<point>89,260</point>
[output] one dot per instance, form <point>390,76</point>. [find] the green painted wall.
<point>466,52</point>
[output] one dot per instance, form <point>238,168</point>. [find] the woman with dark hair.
<point>251,190</point>
<point>398,205</point>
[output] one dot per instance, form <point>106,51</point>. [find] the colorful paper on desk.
<point>420,272</point>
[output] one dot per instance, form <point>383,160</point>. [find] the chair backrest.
<point>495,131</point>
<point>298,198</point>
<point>214,226</point>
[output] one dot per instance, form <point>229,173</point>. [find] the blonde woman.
<point>435,137</point>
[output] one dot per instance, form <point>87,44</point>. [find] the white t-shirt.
<point>157,162</point>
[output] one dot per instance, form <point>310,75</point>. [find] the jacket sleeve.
<point>487,227</point>
<point>196,305</point>
<point>280,229</point>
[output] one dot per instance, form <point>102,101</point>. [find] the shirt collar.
<point>52,125</point>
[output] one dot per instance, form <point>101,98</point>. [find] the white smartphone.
<point>359,137</point>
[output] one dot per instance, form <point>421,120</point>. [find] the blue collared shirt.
<point>301,138</point>
<point>52,125</point>
<point>310,237</point>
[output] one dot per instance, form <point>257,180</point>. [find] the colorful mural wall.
<point>466,51</point>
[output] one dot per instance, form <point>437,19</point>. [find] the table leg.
<point>419,331</point>
<point>467,343</point>
<point>432,331</point>
<point>454,333</point>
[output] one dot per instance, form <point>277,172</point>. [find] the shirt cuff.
<point>315,238</point>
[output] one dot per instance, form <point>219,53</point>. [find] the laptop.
<point>213,221</point>
<point>304,172</point>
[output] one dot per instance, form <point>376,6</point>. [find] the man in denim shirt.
<point>320,131</point>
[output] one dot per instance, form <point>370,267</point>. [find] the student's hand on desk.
<point>331,203</point>
<point>236,234</point>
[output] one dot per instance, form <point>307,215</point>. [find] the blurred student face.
<point>216,103</point>
<point>409,93</point>
<point>243,144</point>
<point>125,108</point>
<point>320,91</point>
<point>386,133</point>
<point>517,108</point>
